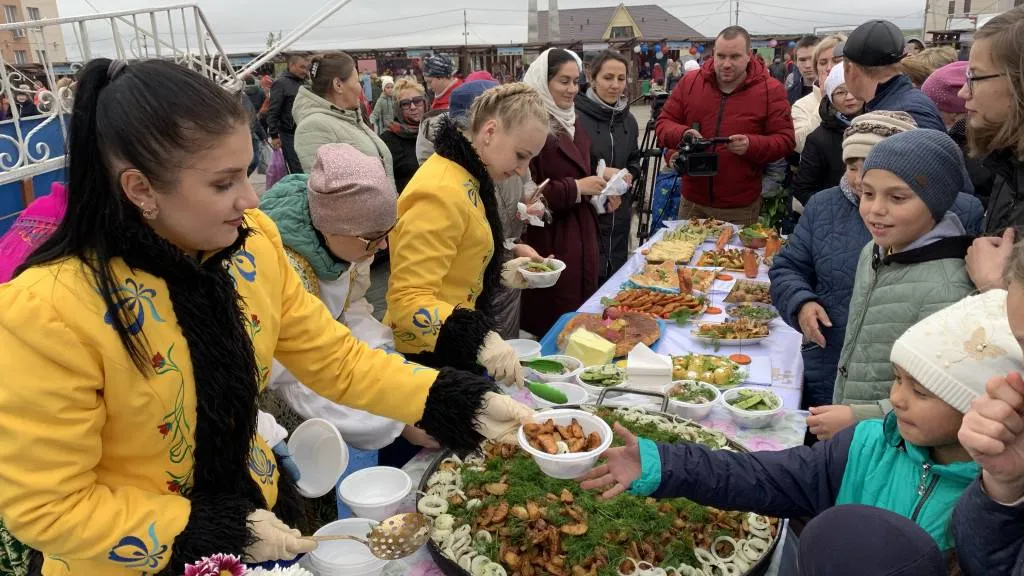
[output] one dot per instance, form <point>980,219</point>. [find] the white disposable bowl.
<point>320,454</point>
<point>595,391</point>
<point>568,466</point>
<point>577,394</point>
<point>688,410</point>
<point>345,557</point>
<point>749,418</point>
<point>567,361</point>
<point>375,493</point>
<point>544,279</point>
<point>526,349</point>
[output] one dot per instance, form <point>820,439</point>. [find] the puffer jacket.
<point>890,294</point>
<point>989,535</point>
<point>818,263</point>
<point>757,108</point>
<point>821,162</point>
<point>319,122</point>
<point>899,94</point>
<point>1006,206</point>
<point>806,117</point>
<point>613,138</point>
<point>383,113</point>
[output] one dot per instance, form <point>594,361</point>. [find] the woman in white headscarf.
<point>565,161</point>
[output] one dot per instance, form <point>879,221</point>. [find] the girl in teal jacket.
<point>909,463</point>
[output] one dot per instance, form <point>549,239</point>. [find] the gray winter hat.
<point>928,161</point>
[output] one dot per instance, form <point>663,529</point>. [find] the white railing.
<point>178,32</point>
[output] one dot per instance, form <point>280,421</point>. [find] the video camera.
<point>697,156</point>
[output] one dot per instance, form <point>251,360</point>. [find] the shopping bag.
<point>277,168</point>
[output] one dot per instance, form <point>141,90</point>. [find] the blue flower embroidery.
<point>260,465</point>
<point>471,192</point>
<point>134,298</point>
<point>427,323</point>
<point>244,263</point>
<point>133,552</point>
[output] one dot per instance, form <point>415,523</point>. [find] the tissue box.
<point>589,348</point>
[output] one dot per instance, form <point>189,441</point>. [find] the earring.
<point>148,213</point>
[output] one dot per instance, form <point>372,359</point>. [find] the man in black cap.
<point>872,57</point>
<point>439,71</point>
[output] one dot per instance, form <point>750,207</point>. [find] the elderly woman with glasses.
<point>400,137</point>
<point>332,222</point>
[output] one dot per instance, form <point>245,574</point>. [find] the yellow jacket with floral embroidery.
<point>96,457</point>
<point>439,252</point>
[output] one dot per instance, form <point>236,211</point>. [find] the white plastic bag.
<point>615,186</point>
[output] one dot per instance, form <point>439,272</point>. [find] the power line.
<point>715,12</point>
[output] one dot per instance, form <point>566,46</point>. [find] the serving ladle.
<point>395,538</point>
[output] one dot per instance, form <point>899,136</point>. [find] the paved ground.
<point>379,286</point>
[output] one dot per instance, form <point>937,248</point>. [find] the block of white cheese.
<point>589,348</point>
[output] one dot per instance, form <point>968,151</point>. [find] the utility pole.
<point>730,12</point>
<point>737,12</point>
<point>924,23</point>
<point>465,29</point>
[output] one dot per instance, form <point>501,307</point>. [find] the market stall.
<point>775,364</point>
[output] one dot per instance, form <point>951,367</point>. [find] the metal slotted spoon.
<point>395,538</point>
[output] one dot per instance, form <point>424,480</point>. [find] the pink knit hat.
<point>944,84</point>
<point>33,227</point>
<point>349,192</point>
<point>480,75</point>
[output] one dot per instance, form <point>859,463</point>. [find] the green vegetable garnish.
<point>692,393</point>
<point>549,393</point>
<point>603,376</point>
<point>538,267</point>
<point>545,366</point>
<point>754,401</point>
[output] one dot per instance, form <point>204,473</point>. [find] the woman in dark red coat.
<point>565,160</point>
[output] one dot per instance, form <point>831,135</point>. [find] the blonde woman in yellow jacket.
<point>443,265</point>
<point>134,343</point>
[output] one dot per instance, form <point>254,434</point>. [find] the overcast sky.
<point>244,25</point>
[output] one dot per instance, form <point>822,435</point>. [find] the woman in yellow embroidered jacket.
<point>443,269</point>
<point>136,339</point>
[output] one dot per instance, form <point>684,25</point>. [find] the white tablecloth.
<point>781,349</point>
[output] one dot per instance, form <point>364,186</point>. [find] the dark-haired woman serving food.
<point>137,338</point>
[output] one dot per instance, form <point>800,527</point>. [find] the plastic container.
<point>544,279</point>
<point>320,454</point>
<point>526,349</point>
<point>345,557</point>
<point>568,466</point>
<point>572,365</point>
<point>689,410</point>
<point>577,395</point>
<point>595,391</point>
<point>751,418</point>
<point>375,493</point>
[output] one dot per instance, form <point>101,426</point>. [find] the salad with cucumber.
<point>603,376</point>
<point>692,392</point>
<point>754,400</point>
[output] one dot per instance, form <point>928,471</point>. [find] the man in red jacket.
<point>733,96</point>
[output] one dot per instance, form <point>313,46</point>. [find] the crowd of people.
<point>146,305</point>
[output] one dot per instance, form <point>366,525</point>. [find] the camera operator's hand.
<point>590,186</point>
<point>691,133</point>
<point>738,144</point>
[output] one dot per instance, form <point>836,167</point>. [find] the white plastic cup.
<point>575,393</point>
<point>526,349</point>
<point>375,493</point>
<point>568,466</point>
<point>320,454</point>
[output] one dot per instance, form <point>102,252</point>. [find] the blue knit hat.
<point>463,96</point>
<point>930,163</point>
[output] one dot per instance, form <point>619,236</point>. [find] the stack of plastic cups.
<point>357,460</point>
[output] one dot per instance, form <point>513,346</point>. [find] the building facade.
<point>962,14</point>
<point>31,45</point>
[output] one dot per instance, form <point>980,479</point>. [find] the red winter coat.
<point>572,237</point>
<point>758,108</point>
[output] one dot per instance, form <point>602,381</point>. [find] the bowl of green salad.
<point>542,274</point>
<point>691,399</point>
<point>597,378</point>
<point>752,407</point>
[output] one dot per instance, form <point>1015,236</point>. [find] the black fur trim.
<point>210,315</point>
<point>290,506</point>
<point>212,529</point>
<point>454,403</point>
<point>451,144</point>
<point>460,339</point>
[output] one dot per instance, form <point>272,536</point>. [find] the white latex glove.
<point>502,417</point>
<point>510,275</point>
<point>500,360</point>
<point>274,539</point>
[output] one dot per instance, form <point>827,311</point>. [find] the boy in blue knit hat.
<point>913,267</point>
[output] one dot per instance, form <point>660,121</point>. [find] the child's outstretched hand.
<point>993,434</point>
<point>825,421</point>
<point>621,467</point>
